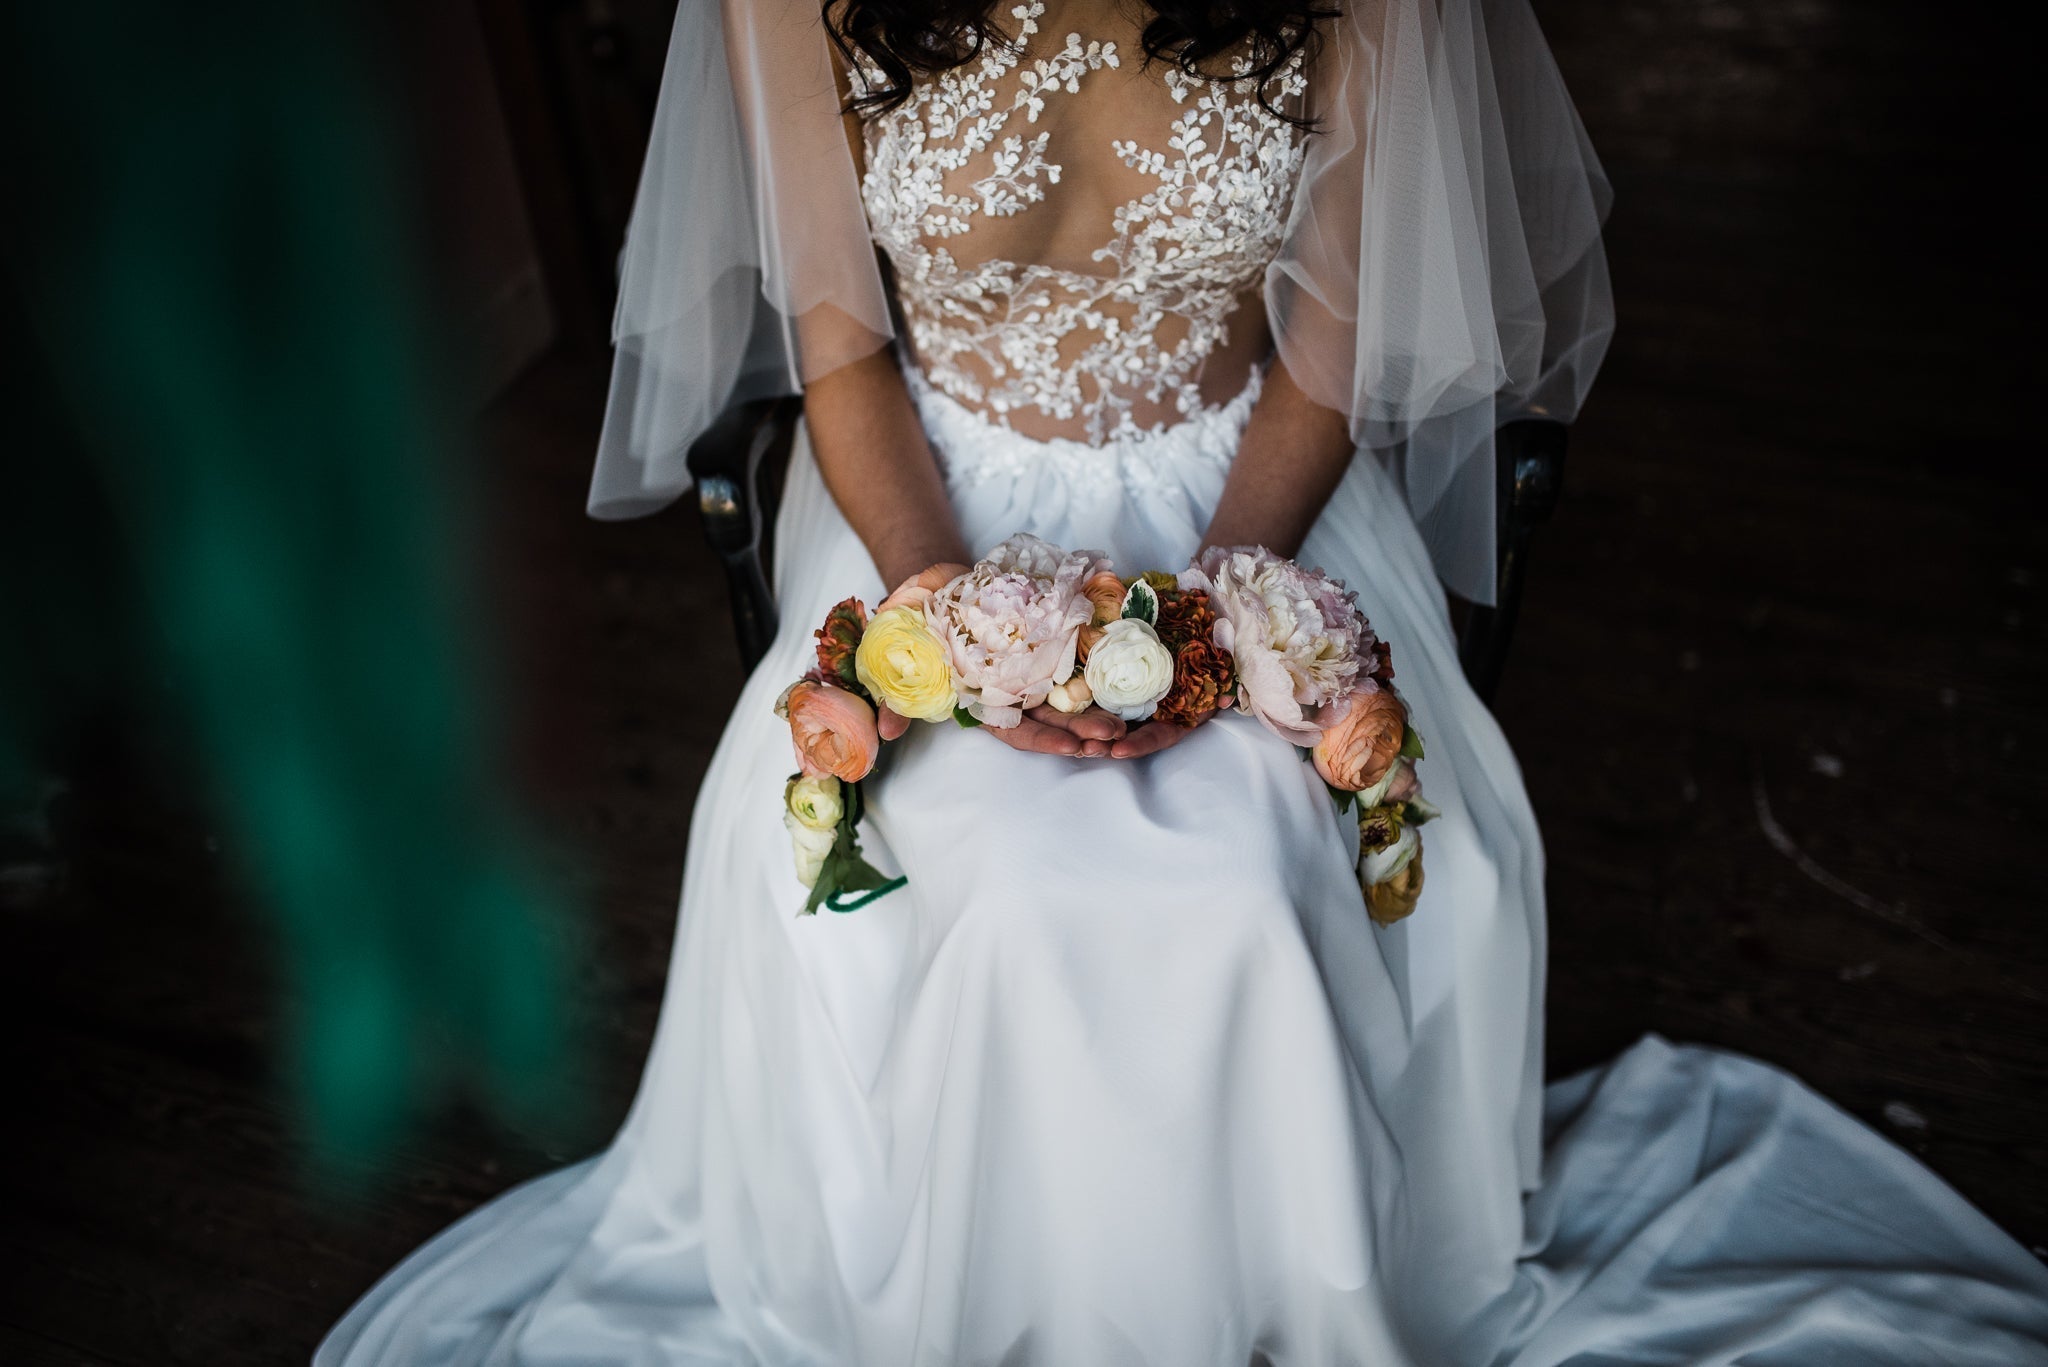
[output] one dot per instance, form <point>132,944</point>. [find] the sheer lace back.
<point>1073,234</point>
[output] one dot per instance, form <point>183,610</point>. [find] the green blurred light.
<point>222,286</point>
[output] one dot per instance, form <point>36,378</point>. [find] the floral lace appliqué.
<point>1002,336</point>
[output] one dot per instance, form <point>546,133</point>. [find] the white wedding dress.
<point>1125,1075</point>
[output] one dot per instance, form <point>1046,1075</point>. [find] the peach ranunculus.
<point>1359,751</point>
<point>917,590</point>
<point>1106,592</point>
<point>832,730</point>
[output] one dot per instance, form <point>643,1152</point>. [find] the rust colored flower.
<point>1203,682</point>
<point>839,638</point>
<point>1085,642</point>
<point>1185,615</point>
<point>1381,665</point>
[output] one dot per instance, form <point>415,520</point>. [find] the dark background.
<point>1778,690</point>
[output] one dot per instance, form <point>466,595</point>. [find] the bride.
<point>1125,1074</point>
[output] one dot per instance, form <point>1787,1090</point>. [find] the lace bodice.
<point>991,191</point>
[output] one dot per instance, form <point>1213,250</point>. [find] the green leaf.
<point>858,875</point>
<point>1141,601</point>
<point>965,718</point>
<point>1416,812</point>
<point>1411,743</point>
<point>846,870</point>
<point>1343,799</point>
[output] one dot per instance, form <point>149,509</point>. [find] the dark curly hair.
<point>908,38</point>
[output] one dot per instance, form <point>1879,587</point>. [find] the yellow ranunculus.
<point>904,666</point>
<point>816,803</point>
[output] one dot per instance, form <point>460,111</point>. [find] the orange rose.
<point>917,590</point>
<point>1085,642</point>
<point>1106,592</point>
<point>833,731</point>
<point>1358,749</point>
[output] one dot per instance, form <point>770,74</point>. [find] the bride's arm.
<point>870,446</point>
<point>1293,453</point>
<point>878,466</point>
<point>875,460</point>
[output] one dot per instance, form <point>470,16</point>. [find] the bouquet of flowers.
<point>1034,625</point>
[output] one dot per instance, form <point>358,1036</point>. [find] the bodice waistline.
<point>972,448</point>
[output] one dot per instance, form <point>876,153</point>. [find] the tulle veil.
<point>1442,271</point>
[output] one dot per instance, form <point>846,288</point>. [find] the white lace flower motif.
<point>1010,336</point>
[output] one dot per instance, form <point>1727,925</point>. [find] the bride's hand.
<point>1044,731</point>
<point>1048,731</point>
<point>1153,737</point>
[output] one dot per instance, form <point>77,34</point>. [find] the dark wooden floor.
<point>1779,696</point>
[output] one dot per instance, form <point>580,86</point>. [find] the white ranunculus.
<point>1129,669</point>
<point>1379,865</point>
<point>810,846</point>
<point>816,803</point>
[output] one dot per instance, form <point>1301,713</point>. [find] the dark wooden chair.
<point>740,463</point>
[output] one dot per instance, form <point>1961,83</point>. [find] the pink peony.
<point>1010,625</point>
<point>1297,637</point>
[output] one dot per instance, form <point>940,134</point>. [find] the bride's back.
<point>1079,236</point>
